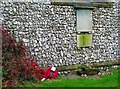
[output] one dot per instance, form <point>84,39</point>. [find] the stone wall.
<point>105,39</point>
<point>49,32</point>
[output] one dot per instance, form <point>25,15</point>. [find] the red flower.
<point>7,84</point>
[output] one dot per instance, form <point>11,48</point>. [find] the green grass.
<point>103,81</point>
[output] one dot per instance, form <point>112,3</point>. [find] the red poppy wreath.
<point>51,72</point>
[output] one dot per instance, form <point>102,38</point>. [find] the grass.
<point>102,81</point>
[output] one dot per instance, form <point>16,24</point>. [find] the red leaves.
<point>27,68</point>
<point>0,31</point>
<point>15,59</point>
<point>5,32</point>
<point>18,62</point>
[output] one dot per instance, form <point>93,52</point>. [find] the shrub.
<point>16,62</point>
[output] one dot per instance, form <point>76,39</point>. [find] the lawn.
<point>91,81</point>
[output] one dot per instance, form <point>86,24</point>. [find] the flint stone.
<point>25,40</point>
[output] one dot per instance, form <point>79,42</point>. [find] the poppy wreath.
<point>40,74</point>
<point>49,74</point>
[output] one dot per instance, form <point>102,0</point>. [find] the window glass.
<point>84,20</point>
<point>84,40</point>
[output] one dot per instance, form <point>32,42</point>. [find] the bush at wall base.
<point>17,65</point>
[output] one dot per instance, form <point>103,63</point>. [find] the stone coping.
<point>79,66</point>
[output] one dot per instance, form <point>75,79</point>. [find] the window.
<point>84,20</point>
<point>84,28</point>
<point>84,40</point>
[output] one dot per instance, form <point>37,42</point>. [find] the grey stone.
<point>52,30</point>
<point>25,40</point>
